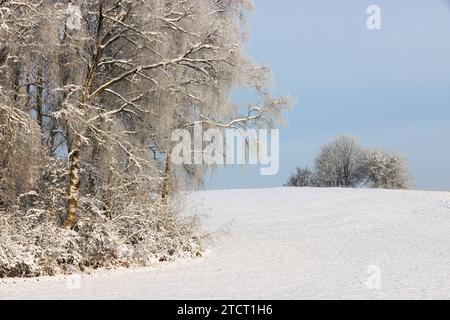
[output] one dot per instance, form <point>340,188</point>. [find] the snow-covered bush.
<point>388,170</point>
<point>137,232</point>
<point>32,243</point>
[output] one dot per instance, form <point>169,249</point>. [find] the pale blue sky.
<point>390,88</point>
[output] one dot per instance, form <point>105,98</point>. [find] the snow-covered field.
<point>290,243</point>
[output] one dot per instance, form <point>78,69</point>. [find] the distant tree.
<point>302,177</point>
<point>388,170</point>
<point>341,163</point>
<point>345,163</point>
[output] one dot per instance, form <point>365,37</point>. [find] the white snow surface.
<point>289,243</point>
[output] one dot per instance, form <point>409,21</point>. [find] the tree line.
<point>345,163</point>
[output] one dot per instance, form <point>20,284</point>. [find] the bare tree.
<point>22,154</point>
<point>302,177</point>
<point>341,163</point>
<point>388,170</point>
<point>148,74</point>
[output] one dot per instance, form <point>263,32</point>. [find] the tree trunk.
<point>39,102</point>
<point>166,180</point>
<point>74,184</point>
<point>75,162</point>
<point>16,83</point>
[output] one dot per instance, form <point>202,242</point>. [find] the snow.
<point>289,243</point>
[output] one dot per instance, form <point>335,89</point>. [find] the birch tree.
<point>107,81</point>
<point>160,66</point>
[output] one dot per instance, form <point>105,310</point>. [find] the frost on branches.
<point>90,92</point>
<point>388,170</point>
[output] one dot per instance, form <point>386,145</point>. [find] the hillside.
<point>290,243</point>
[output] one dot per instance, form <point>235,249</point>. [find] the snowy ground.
<point>290,244</point>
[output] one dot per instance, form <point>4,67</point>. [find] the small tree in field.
<point>341,163</point>
<point>302,177</point>
<point>388,170</point>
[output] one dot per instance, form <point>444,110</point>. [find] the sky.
<point>390,88</point>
